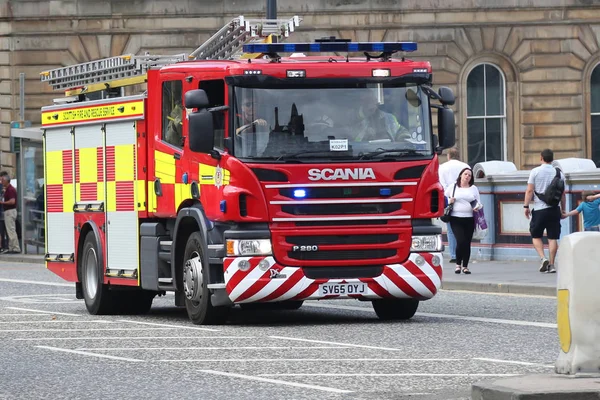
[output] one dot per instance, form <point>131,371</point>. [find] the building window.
<point>595,111</point>
<point>486,114</point>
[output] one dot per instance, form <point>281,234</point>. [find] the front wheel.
<point>395,309</point>
<point>195,286</point>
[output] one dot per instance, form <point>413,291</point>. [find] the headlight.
<point>426,243</point>
<point>248,247</point>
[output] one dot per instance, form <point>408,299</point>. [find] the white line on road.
<point>83,330</point>
<point>42,311</point>
<point>306,359</point>
<point>57,322</point>
<point>512,362</point>
<point>89,354</point>
<point>335,343</point>
<point>212,348</point>
<point>37,282</point>
<point>377,374</point>
<point>445,316</point>
<point>121,338</point>
<point>170,326</point>
<point>275,381</point>
<point>23,315</point>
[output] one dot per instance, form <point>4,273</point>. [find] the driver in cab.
<point>375,124</point>
<point>246,119</point>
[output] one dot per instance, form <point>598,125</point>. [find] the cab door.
<point>168,147</point>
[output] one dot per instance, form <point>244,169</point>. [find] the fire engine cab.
<point>252,172</point>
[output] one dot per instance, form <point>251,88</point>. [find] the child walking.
<point>590,209</point>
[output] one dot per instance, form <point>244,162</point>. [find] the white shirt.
<point>448,172</point>
<point>541,177</point>
<point>462,200</point>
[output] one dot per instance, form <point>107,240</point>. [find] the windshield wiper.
<point>400,152</point>
<point>289,156</point>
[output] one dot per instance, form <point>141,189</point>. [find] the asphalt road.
<point>52,349</point>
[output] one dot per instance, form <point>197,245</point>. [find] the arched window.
<point>595,111</point>
<point>486,114</point>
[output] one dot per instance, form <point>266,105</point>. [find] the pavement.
<point>516,277</point>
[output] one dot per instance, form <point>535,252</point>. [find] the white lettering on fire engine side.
<point>329,174</point>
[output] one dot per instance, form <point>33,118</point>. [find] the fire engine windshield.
<point>334,123</point>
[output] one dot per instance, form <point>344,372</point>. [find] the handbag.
<point>448,209</point>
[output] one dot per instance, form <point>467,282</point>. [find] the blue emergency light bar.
<point>329,47</point>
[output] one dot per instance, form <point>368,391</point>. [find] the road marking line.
<point>89,354</point>
<point>57,322</point>
<point>211,348</point>
<point>498,293</point>
<point>377,374</point>
<point>37,282</point>
<point>275,381</point>
<point>42,311</point>
<point>121,338</point>
<point>445,316</point>
<point>335,343</point>
<point>301,359</point>
<point>513,362</point>
<point>83,330</point>
<point>170,326</point>
<point>23,315</point>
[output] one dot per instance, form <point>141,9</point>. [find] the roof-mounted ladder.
<point>227,42</point>
<point>130,69</point>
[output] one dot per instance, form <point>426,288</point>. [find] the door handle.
<point>157,187</point>
<point>177,156</point>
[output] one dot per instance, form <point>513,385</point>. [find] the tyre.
<point>98,299</point>
<point>395,309</point>
<point>197,296</point>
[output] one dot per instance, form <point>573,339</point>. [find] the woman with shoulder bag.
<point>464,197</point>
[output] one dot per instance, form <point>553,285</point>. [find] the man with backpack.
<point>546,187</point>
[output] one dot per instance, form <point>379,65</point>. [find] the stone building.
<point>526,73</point>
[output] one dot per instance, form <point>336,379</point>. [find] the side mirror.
<point>446,127</point>
<point>201,131</point>
<point>446,96</point>
<point>196,98</point>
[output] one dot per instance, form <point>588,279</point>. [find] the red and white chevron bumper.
<point>261,279</point>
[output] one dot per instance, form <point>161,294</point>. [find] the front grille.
<point>435,199</point>
<point>341,255</point>
<point>342,223</point>
<point>243,205</point>
<point>340,192</point>
<point>340,239</point>
<point>341,209</point>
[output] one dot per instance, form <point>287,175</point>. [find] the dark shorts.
<point>547,219</point>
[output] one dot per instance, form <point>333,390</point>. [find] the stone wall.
<point>546,52</point>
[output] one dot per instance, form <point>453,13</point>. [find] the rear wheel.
<point>395,309</point>
<point>98,299</point>
<point>195,286</point>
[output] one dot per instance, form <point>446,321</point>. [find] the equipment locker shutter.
<point>121,210</point>
<point>60,193</point>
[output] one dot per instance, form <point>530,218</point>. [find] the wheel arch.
<point>89,226</point>
<point>189,220</point>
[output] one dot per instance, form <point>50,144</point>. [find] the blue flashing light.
<point>385,191</point>
<point>223,206</point>
<point>330,47</point>
<point>299,193</point>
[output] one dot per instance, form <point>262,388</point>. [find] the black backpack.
<point>553,193</point>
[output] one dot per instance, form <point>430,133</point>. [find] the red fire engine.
<point>247,178</point>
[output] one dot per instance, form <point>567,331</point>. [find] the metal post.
<point>271,9</point>
<point>22,97</point>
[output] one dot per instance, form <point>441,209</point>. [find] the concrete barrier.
<point>569,165</point>
<point>484,169</point>
<point>578,296</point>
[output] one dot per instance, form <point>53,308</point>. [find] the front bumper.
<point>419,278</point>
